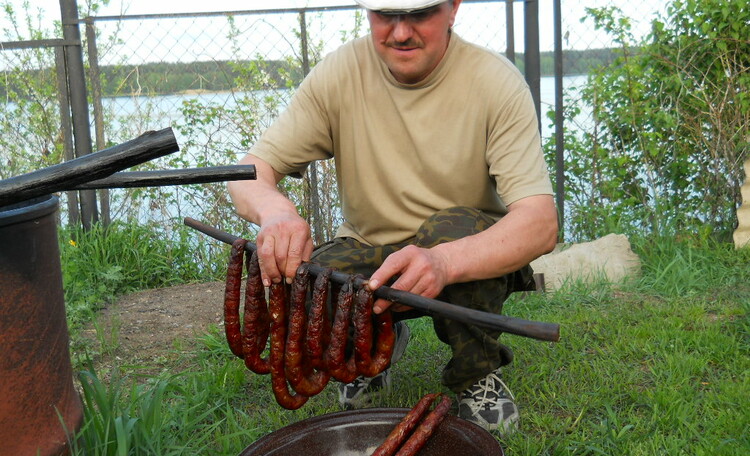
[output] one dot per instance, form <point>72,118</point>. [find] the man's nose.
<point>402,28</point>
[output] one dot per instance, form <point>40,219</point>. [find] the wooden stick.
<point>94,166</point>
<point>171,177</point>
<point>527,328</point>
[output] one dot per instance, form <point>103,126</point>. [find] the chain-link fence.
<point>219,79</point>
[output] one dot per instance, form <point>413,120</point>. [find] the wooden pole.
<point>90,167</point>
<point>172,177</point>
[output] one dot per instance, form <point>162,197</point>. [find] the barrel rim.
<point>31,209</point>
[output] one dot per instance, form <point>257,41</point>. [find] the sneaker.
<point>490,404</point>
<point>362,390</point>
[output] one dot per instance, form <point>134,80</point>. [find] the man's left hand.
<point>418,270</point>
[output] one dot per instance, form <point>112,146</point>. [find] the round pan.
<point>359,432</point>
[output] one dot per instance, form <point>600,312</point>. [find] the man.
<point>444,189</point>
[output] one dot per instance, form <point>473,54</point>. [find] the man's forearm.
<point>528,231</point>
<point>256,199</point>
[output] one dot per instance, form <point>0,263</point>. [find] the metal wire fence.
<point>220,78</point>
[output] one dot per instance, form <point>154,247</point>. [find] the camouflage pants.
<point>475,351</point>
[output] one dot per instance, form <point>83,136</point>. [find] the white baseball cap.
<point>398,6</point>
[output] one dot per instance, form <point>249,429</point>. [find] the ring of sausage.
<point>299,371</point>
<point>306,347</point>
<point>337,365</point>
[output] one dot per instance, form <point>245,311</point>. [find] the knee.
<point>450,224</point>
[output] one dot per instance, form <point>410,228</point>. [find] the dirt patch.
<point>153,327</point>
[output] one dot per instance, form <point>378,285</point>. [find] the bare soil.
<point>153,327</point>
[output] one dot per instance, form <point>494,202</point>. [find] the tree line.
<point>164,78</point>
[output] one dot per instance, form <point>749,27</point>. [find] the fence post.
<point>63,97</point>
<point>317,222</point>
<point>96,96</point>
<point>510,32</point>
<point>531,54</point>
<point>78,101</point>
<point>559,119</point>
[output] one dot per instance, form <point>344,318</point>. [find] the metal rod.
<point>172,177</point>
<point>531,55</point>
<point>510,32</point>
<point>559,119</point>
<point>533,329</point>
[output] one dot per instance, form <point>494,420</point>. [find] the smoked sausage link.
<point>277,309</point>
<point>299,371</point>
<point>425,430</point>
<point>369,364</point>
<point>256,321</point>
<point>318,324</point>
<point>362,321</point>
<point>407,424</point>
<point>338,366</point>
<point>232,298</point>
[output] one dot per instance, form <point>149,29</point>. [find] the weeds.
<point>104,263</point>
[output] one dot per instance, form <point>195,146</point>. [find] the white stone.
<point>742,233</point>
<point>609,258</point>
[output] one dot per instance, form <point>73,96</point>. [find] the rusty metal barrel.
<point>39,405</point>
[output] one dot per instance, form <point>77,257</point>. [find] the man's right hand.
<point>284,242</point>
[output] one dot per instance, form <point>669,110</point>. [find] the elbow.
<point>551,234</point>
<point>551,242</point>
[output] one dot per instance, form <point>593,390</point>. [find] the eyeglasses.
<point>415,17</point>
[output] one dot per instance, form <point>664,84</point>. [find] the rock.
<point>742,234</point>
<point>609,258</point>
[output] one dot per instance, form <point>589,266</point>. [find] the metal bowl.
<point>359,432</point>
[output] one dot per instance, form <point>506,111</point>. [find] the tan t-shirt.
<point>467,135</point>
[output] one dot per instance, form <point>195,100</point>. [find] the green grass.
<point>658,366</point>
<point>101,264</point>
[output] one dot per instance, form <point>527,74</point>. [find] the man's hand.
<point>420,271</point>
<point>284,242</point>
<point>526,232</point>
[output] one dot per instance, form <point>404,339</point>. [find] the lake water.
<point>144,113</point>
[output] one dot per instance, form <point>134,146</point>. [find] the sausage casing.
<point>232,298</point>
<point>257,321</point>
<point>425,430</point>
<point>278,312</point>
<point>407,424</point>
